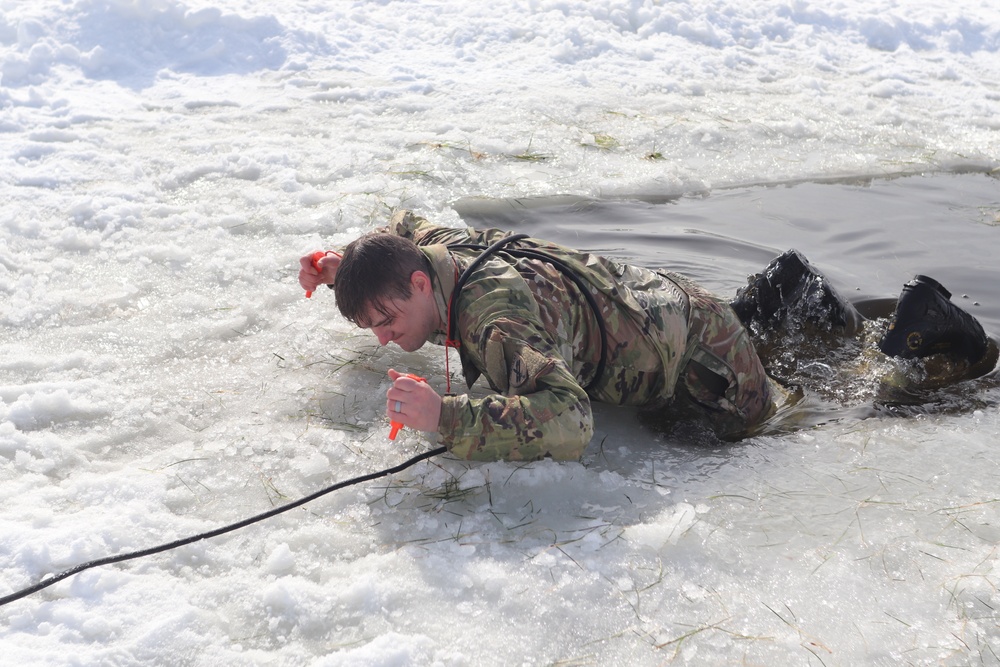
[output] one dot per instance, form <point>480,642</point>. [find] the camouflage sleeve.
<point>541,409</point>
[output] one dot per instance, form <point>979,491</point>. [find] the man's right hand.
<point>310,278</point>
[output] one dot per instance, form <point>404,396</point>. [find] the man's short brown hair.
<point>374,269</point>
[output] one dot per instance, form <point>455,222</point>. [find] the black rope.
<point>542,256</point>
<point>218,531</point>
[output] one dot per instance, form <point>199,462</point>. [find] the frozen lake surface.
<point>165,164</point>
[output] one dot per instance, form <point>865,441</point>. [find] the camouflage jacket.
<point>527,328</point>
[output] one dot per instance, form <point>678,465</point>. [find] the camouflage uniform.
<point>527,328</point>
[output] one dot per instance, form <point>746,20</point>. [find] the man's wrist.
<point>450,420</point>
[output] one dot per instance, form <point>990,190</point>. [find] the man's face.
<point>408,323</point>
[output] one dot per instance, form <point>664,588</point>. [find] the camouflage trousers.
<point>723,377</point>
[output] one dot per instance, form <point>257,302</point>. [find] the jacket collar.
<point>445,269</point>
<point>443,274</point>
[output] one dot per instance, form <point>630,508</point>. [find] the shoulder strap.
<point>526,253</point>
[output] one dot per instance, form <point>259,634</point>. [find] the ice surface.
<point>165,163</point>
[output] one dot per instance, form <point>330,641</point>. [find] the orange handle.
<point>395,426</point>
<point>316,256</point>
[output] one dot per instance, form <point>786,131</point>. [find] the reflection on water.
<point>868,237</point>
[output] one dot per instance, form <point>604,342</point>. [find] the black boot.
<point>926,322</point>
<point>790,289</point>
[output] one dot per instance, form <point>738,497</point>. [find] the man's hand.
<point>310,278</point>
<point>419,405</point>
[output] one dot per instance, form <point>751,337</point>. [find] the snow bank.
<point>165,163</point>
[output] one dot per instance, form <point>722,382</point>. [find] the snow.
<point>165,163</point>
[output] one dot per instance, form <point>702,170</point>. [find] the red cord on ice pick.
<point>394,426</point>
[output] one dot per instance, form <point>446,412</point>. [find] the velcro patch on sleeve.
<point>525,365</point>
<point>513,366</point>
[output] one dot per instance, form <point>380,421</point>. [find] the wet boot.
<point>926,322</point>
<point>789,291</point>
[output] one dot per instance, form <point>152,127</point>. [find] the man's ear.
<point>421,282</point>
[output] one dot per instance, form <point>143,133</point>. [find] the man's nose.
<point>383,335</point>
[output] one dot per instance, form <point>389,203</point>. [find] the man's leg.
<point>724,377</point>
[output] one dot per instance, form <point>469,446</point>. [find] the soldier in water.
<point>552,329</point>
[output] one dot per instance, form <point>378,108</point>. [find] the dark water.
<point>867,236</point>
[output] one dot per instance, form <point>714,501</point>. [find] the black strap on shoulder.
<point>528,253</point>
<point>464,278</point>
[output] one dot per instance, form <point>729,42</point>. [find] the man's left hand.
<point>419,405</point>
